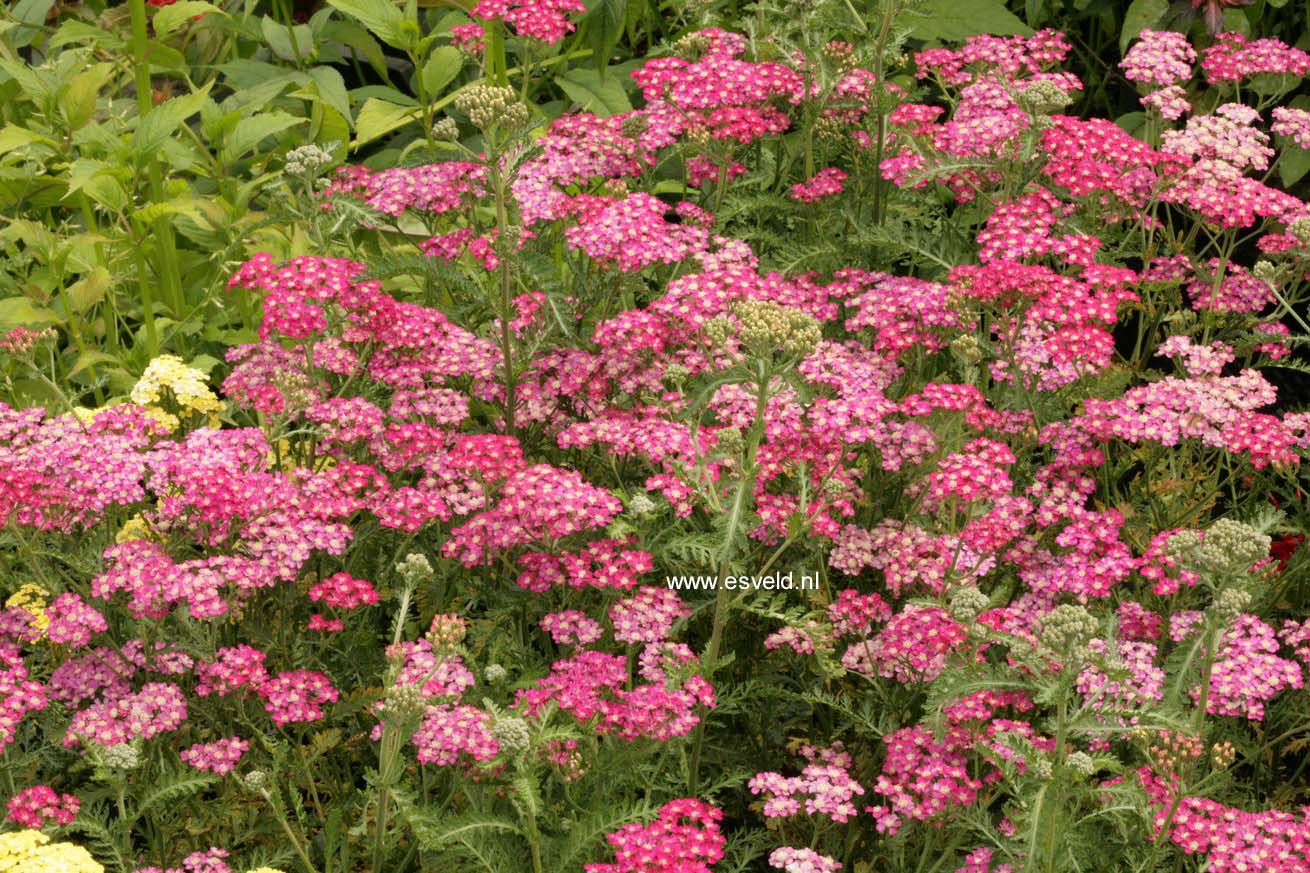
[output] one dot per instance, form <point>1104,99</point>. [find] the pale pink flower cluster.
<point>824,786</point>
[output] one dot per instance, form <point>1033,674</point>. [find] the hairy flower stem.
<point>276,806</point>
<point>722,597</point>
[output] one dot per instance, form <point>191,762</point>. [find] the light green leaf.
<point>249,132</point>
<point>377,118</point>
<point>601,95</point>
<point>33,12</point>
<point>382,19</point>
<point>21,312</point>
<point>1141,15</point>
<point>331,89</point>
<point>164,120</point>
<point>78,102</point>
<point>953,20</point>
<point>170,18</point>
<point>14,137</point>
<point>442,66</point>
<point>89,290</point>
<point>147,215</point>
<point>97,180</point>
<point>290,44</point>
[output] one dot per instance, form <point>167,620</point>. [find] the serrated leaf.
<point>442,66</point>
<point>377,118</point>
<point>13,137</point>
<point>33,12</point>
<point>331,90</point>
<point>602,95</point>
<point>381,18</point>
<point>954,20</point>
<point>250,132</point>
<point>78,102</point>
<point>170,18</point>
<point>288,43</point>
<point>164,120</point>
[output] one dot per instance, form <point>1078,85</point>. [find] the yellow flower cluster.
<point>186,384</point>
<point>32,599</point>
<point>30,851</point>
<point>135,528</point>
<point>264,870</point>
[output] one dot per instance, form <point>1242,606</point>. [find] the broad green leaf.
<point>1293,161</point>
<point>89,290</point>
<point>147,215</point>
<point>78,102</point>
<point>34,86</point>
<point>603,95</point>
<point>377,118</point>
<point>14,137</point>
<point>1293,164</point>
<point>164,120</point>
<point>382,18</point>
<point>360,40</point>
<point>21,312</point>
<point>1141,15</point>
<point>33,12</point>
<point>97,180</point>
<point>74,32</point>
<point>604,22</point>
<point>331,89</point>
<point>442,66</point>
<point>170,18</point>
<point>91,358</point>
<point>288,43</point>
<point>249,132</point>
<point>953,20</point>
<point>383,93</point>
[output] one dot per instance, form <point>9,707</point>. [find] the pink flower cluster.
<point>35,806</point>
<point>824,786</point>
<point>220,756</point>
<point>540,19</point>
<point>684,838</point>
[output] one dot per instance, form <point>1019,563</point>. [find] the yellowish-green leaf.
<point>89,290</point>
<point>170,18</point>
<point>13,137</point>
<point>377,118</point>
<point>78,102</point>
<point>442,66</point>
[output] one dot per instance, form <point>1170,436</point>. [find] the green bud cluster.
<point>445,129</point>
<point>1081,762</point>
<point>1067,628</point>
<point>1043,97</point>
<point>1231,547</point>
<point>512,733</point>
<point>492,106</point>
<point>1231,603</point>
<point>967,602</point>
<point>967,350</point>
<point>766,327</point>
<point>415,569</point>
<point>307,160</point>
